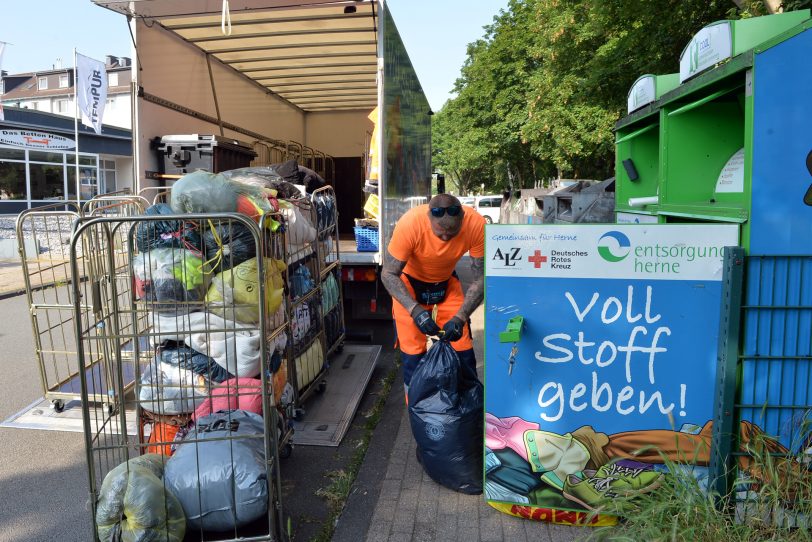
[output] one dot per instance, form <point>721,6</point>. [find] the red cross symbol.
<point>537,259</point>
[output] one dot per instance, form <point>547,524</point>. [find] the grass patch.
<point>338,490</point>
<point>773,503</point>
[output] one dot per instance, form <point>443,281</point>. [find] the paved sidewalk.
<point>395,500</point>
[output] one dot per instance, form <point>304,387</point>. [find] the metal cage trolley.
<point>43,236</point>
<point>306,360</point>
<point>329,264</point>
<point>192,451</point>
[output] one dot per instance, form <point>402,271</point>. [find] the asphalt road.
<point>43,475</point>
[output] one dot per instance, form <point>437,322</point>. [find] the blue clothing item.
<point>301,281</point>
<point>186,358</point>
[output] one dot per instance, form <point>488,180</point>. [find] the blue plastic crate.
<point>366,239</point>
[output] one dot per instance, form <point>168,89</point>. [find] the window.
<point>12,154</point>
<point>42,83</point>
<point>62,106</point>
<point>47,181</point>
<point>63,81</point>
<point>87,179</point>
<point>112,79</point>
<point>44,156</point>
<point>108,105</point>
<point>107,175</point>
<point>12,180</point>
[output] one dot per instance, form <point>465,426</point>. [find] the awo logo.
<point>509,257</point>
<point>614,246</point>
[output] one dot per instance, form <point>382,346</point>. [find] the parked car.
<point>467,200</point>
<point>489,206</point>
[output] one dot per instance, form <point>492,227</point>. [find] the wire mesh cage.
<point>329,261</point>
<point>43,236</point>
<point>192,451</point>
<point>306,360</point>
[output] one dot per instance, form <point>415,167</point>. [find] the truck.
<point>310,79</point>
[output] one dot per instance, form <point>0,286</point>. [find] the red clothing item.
<point>428,258</point>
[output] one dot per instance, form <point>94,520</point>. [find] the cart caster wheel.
<point>110,409</point>
<point>298,413</point>
<point>286,451</point>
<point>321,386</point>
<point>58,405</point>
<point>339,348</point>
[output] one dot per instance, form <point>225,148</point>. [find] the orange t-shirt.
<point>429,258</point>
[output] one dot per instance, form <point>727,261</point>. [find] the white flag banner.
<point>91,90</point>
<point>2,48</point>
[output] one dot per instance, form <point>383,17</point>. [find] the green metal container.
<point>687,156</point>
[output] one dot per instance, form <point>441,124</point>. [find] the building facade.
<point>52,91</point>
<point>38,160</point>
<point>39,149</point>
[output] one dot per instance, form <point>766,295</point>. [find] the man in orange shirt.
<point>418,273</point>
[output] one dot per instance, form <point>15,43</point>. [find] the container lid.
<point>721,40</point>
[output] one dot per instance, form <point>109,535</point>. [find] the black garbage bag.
<point>227,245</point>
<point>165,233</point>
<point>310,179</point>
<point>446,412</point>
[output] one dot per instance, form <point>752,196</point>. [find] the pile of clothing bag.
<point>201,395</point>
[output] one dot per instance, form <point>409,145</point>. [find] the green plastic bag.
<point>134,506</point>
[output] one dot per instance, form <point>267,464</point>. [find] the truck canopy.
<point>292,78</point>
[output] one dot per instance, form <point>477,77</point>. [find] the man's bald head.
<point>445,227</point>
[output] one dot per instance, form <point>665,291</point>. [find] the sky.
<point>39,32</point>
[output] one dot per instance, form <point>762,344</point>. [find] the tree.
<point>458,150</point>
<point>589,54</point>
<point>539,94</point>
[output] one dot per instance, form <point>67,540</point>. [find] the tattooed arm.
<point>476,290</point>
<point>390,276</point>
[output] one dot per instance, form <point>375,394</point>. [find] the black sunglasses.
<point>453,210</point>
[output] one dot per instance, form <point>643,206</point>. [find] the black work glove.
<point>452,330</point>
<point>423,320</point>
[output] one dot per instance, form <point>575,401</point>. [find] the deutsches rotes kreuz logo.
<point>614,246</point>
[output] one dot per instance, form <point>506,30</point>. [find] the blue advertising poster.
<point>614,366</point>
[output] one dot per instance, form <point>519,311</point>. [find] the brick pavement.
<point>412,507</point>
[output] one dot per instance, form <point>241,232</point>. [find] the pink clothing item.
<point>236,393</point>
<point>509,432</point>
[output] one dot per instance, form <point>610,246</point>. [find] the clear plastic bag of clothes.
<point>218,475</point>
<point>166,233</point>
<point>204,192</point>
<point>329,293</point>
<point>134,505</point>
<point>281,178</point>
<point>301,281</point>
<point>168,389</point>
<point>173,279</point>
<point>325,211</point>
<point>446,411</point>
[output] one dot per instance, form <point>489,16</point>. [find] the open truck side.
<point>292,78</point>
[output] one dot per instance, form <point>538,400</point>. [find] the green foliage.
<point>539,94</point>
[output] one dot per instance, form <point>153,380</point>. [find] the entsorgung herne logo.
<point>614,246</point>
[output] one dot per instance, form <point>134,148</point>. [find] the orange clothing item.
<point>428,258</point>
<point>410,339</point>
